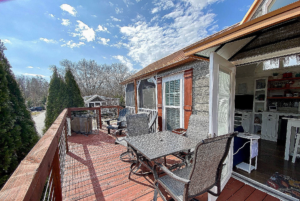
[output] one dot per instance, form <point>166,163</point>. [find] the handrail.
<point>28,180</point>
<point>43,167</point>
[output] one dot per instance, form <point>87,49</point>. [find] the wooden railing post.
<point>100,118</point>
<point>56,177</point>
<point>66,135</point>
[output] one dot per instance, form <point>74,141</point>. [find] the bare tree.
<point>93,78</point>
<point>34,89</point>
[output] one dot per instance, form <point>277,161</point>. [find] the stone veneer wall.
<point>200,84</point>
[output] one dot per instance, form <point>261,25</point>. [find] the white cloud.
<point>84,32</point>
<point>34,75</point>
<point>103,41</point>
<point>125,61</point>
<point>94,15</point>
<point>62,40</point>
<point>148,42</point>
<point>127,2</point>
<point>29,67</point>
<point>69,9</point>
<point>162,5</point>
<point>115,19</point>
<point>6,41</point>
<point>48,40</point>
<point>111,4</point>
<point>119,10</point>
<point>38,67</point>
<point>51,15</point>
<point>65,22</point>
<point>102,28</point>
<point>71,44</point>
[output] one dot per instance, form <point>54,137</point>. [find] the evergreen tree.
<point>24,123</point>
<point>54,106</point>
<point>7,121</point>
<point>17,131</point>
<point>74,98</point>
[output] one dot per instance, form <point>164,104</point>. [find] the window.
<point>172,104</point>
<point>130,95</point>
<point>293,60</point>
<point>276,4</point>
<point>147,94</point>
<point>271,64</point>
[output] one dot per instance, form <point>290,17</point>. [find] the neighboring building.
<point>206,77</point>
<point>96,101</point>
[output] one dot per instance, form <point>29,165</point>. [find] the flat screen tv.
<point>244,102</point>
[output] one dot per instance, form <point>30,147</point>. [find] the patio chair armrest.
<point>109,120</point>
<point>171,174</point>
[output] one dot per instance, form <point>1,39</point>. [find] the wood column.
<point>159,102</point>
<point>100,121</point>
<point>188,96</point>
<point>135,97</point>
<point>56,177</point>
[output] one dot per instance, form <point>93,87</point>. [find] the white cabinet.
<point>269,126</point>
<point>243,118</point>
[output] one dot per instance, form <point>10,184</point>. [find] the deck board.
<point>93,171</point>
<point>257,195</point>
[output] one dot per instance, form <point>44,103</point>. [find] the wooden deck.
<point>93,171</point>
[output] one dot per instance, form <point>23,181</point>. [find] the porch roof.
<point>245,29</point>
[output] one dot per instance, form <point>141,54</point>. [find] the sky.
<point>38,34</point>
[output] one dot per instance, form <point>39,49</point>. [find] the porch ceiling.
<point>246,30</point>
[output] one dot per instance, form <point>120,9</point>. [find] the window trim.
<point>179,76</point>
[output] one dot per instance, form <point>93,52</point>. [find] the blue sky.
<point>38,33</point>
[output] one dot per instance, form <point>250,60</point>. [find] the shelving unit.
<point>284,79</point>
<point>283,97</point>
<point>260,88</point>
<point>273,89</point>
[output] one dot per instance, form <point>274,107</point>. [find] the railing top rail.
<point>28,180</point>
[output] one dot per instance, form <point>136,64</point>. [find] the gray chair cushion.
<point>174,187</point>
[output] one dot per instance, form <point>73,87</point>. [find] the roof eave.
<point>183,61</point>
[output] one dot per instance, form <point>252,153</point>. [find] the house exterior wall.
<point>200,96</point>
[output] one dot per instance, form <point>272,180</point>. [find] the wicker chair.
<point>191,181</point>
<point>121,122</point>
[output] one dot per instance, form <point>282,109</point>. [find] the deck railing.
<point>151,113</point>
<point>40,174</point>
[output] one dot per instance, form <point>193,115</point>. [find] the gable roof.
<point>251,10</point>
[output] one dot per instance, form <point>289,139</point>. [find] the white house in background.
<point>96,101</point>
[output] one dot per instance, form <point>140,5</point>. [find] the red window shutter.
<point>159,102</point>
<point>188,96</point>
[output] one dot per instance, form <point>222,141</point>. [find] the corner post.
<point>135,97</point>
<point>100,121</point>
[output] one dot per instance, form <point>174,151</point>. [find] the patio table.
<point>157,145</point>
<point>160,144</point>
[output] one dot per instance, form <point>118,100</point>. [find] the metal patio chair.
<point>197,130</point>
<point>205,173</point>
<point>137,124</point>
<point>121,122</point>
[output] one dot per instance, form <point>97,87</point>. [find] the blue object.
<point>243,154</point>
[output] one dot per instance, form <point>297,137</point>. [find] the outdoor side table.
<point>253,140</point>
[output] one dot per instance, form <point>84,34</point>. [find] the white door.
<point>173,102</point>
<point>221,105</point>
